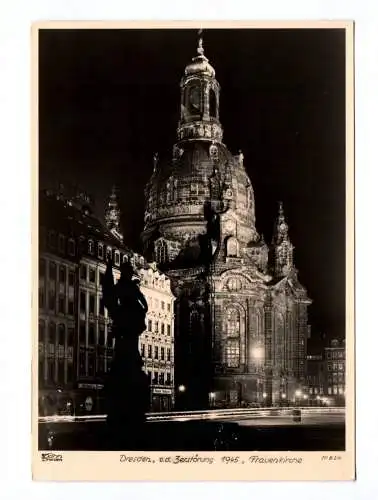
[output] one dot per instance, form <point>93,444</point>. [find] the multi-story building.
<point>315,378</point>
<point>75,340</point>
<point>334,371</point>
<point>157,343</point>
<point>241,315</point>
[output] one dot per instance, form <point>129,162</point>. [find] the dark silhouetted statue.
<point>127,386</point>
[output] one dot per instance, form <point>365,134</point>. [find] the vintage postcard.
<point>193,251</point>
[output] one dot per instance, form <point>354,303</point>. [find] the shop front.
<point>161,399</point>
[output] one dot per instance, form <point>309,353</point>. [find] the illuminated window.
<point>161,252</point>
<point>232,353</point>
<point>90,247</point>
<point>232,247</point>
<point>116,258</point>
<point>233,322</point>
<point>100,251</point>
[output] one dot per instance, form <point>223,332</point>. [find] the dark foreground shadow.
<point>192,436</point>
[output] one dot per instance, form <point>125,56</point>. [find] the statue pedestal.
<point>127,393</point>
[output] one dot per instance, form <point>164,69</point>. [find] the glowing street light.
<point>298,393</point>
<point>265,395</point>
<point>257,353</point>
<point>212,395</point>
<point>305,396</point>
<point>182,388</point>
<point>283,395</point>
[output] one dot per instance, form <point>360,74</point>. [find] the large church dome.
<point>201,170</point>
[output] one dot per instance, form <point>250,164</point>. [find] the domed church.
<point>241,313</point>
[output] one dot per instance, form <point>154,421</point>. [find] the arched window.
<point>213,103</point>
<point>232,247</point>
<point>90,247</point>
<point>161,252</point>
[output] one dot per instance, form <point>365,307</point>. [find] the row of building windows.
<point>315,390</point>
<point>56,303</point>
<point>154,304</point>
<point>156,378</point>
<point>56,372</point>
<point>336,390</point>
<point>56,334</point>
<point>336,354</point>
<point>165,352</point>
<point>337,377</point>
<point>158,328</point>
<point>56,272</point>
<point>334,367</point>
<point>60,243</point>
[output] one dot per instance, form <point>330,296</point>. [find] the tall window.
<point>83,272</point>
<point>90,247</point>
<point>91,304</point>
<point>168,329</point>
<point>100,251</point>
<point>156,326</point>
<point>52,333</point>
<point>232,344</point>
<point>42,268</point>
<point>41,331</point>
<point>161,252</point>
<point>233,322</point>
<point>82,333</point>
<point>61,243</point>
<point>150,325</point>
<point>61,334</point>
<point>71,278</point>
<point>82,302</point>
<point>143,350</point>
<point>232,353</point>
<point>213,104</point>
<point>70,337</point>
<point>101,334</point>
<point>162,328</point>
<point>71,247</point>
<point>52,271</point>
<point>150,351</point>
<point>168,354</point>
<point>162,353</point>
<point>156,354</point>
<point>91,335</point>
<point>92,275</point>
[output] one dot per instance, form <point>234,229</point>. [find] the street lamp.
<point>181,388</point>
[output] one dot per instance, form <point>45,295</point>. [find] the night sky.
<point>109,99</point>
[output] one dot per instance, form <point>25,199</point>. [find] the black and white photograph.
<point>192,241</point>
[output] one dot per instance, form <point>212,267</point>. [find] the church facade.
<point>241,313</point>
